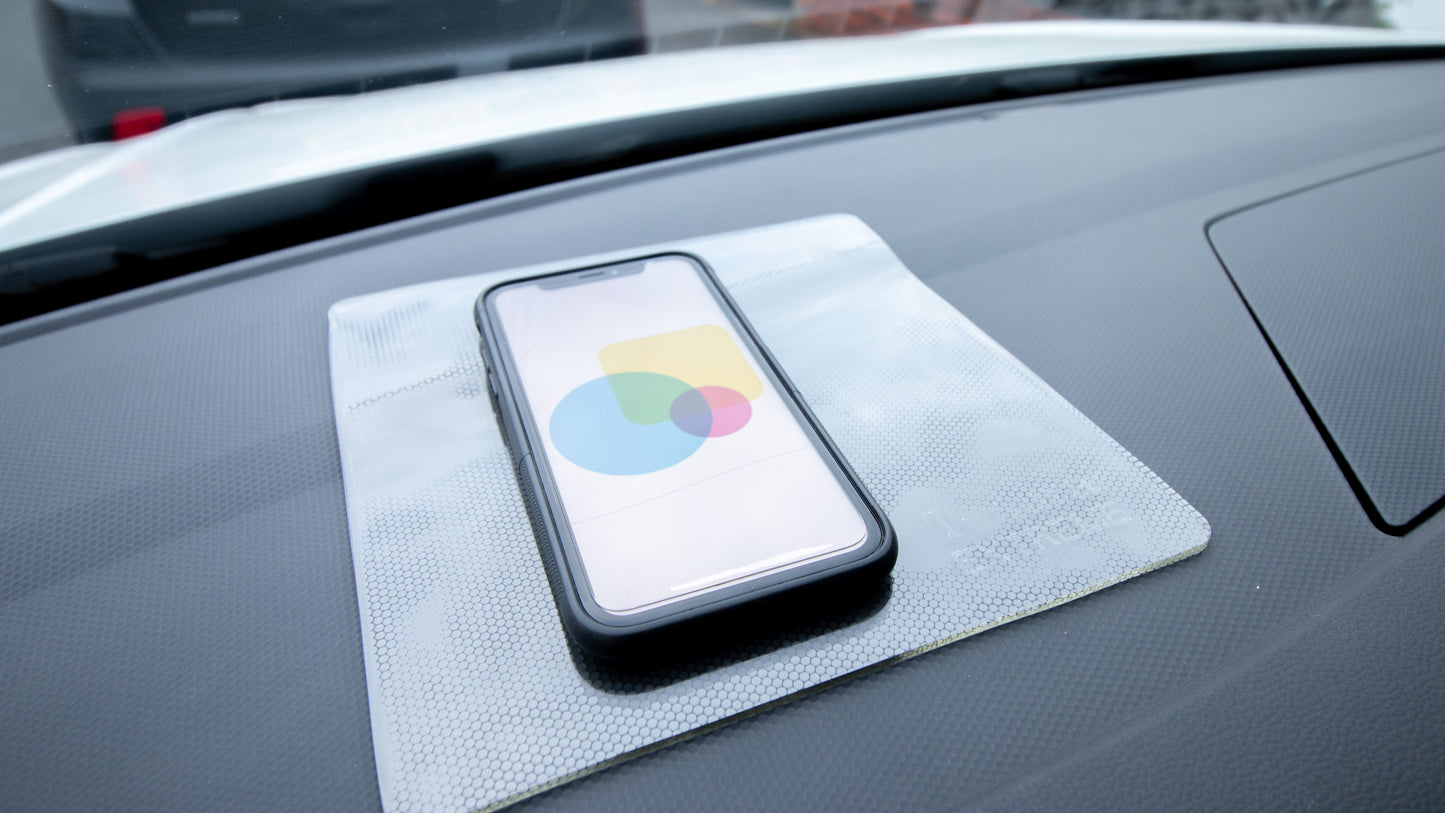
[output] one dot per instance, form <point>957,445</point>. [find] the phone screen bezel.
<point>512,404</point>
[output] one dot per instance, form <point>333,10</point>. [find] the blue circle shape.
<point>589,428</point>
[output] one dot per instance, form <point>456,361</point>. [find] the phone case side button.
<point>492,393</point>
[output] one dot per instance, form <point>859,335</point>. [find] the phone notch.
<point>591,275</point>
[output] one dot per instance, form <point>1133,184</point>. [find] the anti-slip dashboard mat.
<point>1006,500</point>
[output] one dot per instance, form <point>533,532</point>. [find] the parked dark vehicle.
<point>126,67</point>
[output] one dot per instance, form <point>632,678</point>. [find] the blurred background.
<point>95,70</point>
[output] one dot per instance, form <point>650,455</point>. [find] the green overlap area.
<point>646,398</point>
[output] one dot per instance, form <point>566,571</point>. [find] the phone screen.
<point>679,465</point>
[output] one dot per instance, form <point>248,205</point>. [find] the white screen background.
<point>743,504</point>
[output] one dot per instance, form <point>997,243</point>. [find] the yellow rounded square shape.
<point>702,356</point>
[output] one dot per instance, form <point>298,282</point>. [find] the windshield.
<point>101,70</point>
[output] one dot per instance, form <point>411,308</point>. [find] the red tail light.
<point>136,121</point>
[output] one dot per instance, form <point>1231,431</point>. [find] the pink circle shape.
<point>730,410</point>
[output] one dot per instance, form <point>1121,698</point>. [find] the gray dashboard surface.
<point>178,622</point>
<point>1348,281</point>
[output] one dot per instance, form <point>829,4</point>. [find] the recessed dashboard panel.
<point>1347,280</point>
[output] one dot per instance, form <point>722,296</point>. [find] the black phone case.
<point>682,628</point>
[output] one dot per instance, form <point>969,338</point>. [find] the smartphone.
<point>671,470</point>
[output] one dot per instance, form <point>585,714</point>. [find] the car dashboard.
<point>178,619</point>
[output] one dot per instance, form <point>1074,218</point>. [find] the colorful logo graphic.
<point>660,397</point>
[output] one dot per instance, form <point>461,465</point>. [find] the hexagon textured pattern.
<point>1006,499</point>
